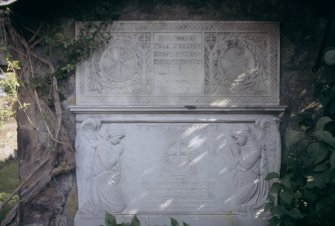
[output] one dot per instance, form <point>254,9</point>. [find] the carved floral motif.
<point>236,63</point>
<point>121,66</point>
<point>155,63</point>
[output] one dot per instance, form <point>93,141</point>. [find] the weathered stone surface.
<point>200,168</point>
<point>177,63</point>
<point>193,166</point>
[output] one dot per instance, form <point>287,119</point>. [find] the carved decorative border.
<point>267,46</point>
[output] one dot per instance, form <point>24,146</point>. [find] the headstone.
<point>177,119</point>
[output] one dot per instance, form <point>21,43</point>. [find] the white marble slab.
<point>177,63</point>
<point>202,169</point>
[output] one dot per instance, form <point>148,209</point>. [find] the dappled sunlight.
<point>221,146</point>
<point>222,102</point>
<point>220,136</point>
<point>259,213</point>
<point>208,119</point>
<point>201,206</point>
<point>239,79</point>
<point>223,170</point>
<point>193,129</point>
<point>229,199</point>
<point>165,204</point>
<point>133,211</point>
<point>196,142</point>
<point>140,197</point>
<point>256,181</point>
<point>198,158</point>
<point>148,171</point>
<point>310,178</point>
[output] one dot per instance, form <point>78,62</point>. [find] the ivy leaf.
<point>297,194</point>
<point>268,206</point>
<point>322,207</point>
<point>322,167</point>
<point>320,125</point>
<point>276,187</point>
<point>135,221</point>
<point>174,222</point>
<point>59,36</point>
<point>332,159</point>
<point>271,176</point>
<point>286,181</point>
<point>325,137</point>
<point>184,224</point>
<point>311,195</point>
<point>323,99</point>
<point>318,151</point>
<point>286,196</point>
<point>271,198</point>
<point>278,210</point>
<point>292,137</point>
<point>274,221</point>
<point>310,184</point>
<point>110,220</point>
<point>321,179</point>
<point>295,214</point>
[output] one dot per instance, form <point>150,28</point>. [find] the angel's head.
<point>241,135</point>
<point>114,135</point>
<point>90,125</point>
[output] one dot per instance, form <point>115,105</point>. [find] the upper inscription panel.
<point>177,63</point>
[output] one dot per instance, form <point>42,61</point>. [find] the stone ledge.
<point>178,109</point>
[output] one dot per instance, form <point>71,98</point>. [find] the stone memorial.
<point>178,119</point>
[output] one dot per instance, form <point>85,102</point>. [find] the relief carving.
<point>253,146</point>
<point>155,63</point>
<point>236,63</point>
<point>118,63</point>
<point>86,142</point>
<point>103,147</point>
<point>122,66</point>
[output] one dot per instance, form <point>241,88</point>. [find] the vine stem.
<point>25,181</point>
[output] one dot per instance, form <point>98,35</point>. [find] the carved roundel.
<point>119,63</point>
<point>178,155</point>
<point>235,62</point>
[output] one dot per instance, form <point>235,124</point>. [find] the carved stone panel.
<point>177,63</point>
<point>199,170</point>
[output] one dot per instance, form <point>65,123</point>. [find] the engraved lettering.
<point>178,63</point>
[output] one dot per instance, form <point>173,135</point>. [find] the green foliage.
<point>9,174</point>
<point>74,50</point>
<point>111,221</point>
<point>60,50</point>
<point>325,94</point>
<point>9,84</point>
<point>306,187</point>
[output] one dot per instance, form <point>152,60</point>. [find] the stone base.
<point>164,220</point>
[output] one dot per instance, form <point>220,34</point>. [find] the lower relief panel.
<point>203,174</point>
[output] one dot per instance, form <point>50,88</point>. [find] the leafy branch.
<point>306,186</point>
<point>111,221</point>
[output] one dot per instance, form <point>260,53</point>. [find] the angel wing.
<point>269,138</point>
<point>85,146</point>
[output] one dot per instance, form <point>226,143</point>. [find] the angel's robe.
<point>252,189</point>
